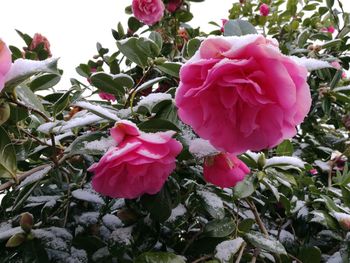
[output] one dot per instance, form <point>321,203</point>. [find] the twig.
<point>295,258</point>
<point>202,258</point>
<point>255,255</point>
<point>240,254</point>
<point>257,218</point>
<point>23,176</point>
<point>32,109</point>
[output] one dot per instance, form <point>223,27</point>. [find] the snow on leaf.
<point>225,250</point>
<point>87,195</point>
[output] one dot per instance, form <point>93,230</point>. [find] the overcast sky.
<point>74,26</point>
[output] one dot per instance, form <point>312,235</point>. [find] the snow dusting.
<point>103,145</point>
<point>202,148</point>
<point>123,235</point>
<point>285,160</point>
<point>34,177</point>
<point>226,249</point>
<point>112,221</point>
<point>178,211</point>
<point>98,110</point>
<point>310,63</point>
<point>87,195</point>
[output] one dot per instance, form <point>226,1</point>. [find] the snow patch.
<point>123,235</point>
<point>103,145</point>
<point>178,211</point>
<point>226,249</point>
<point>87,195</point>
<point>34,177</point>
<point>202,148</point>
<point>310,63</point>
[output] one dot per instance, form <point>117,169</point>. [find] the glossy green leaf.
<point>8,163</point>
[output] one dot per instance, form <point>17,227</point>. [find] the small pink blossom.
<point>343,75</point>
<point>40,39</point>
<point>264,10</point>
<point>148,12</point>
<point>107,96</point>
<point>139,164</point>
<point>173,5</point>
<point>224,170</point>
<point>5,63</point>
<point>223,21</point>
<point>336,65</point>
<point>331,29</point>
<point>313,171</point>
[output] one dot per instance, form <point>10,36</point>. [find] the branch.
<point>23,176</point>
<point>257,218</point>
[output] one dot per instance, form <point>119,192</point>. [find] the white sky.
<point>74,26</point>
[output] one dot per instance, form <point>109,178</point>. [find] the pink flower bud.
<point>173,5</point>
<point>336,65</point>
<point>107,96</point>
<point>330,29</point>
<point>40,39</point>
<point>343,220</point>
<point>224,170</point>
<point>264,10</point>
<point>313,171</point>
<point>223,21</point>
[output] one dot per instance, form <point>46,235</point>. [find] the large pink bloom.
<point>5,62</point>
<point>241,93</point>
<point>224,170</point>
<point>148,11</point>
<point>141,163</point>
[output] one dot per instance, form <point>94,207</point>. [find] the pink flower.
<point>148,12</point>
<point>343,75</point>
<point>173,5</point>
<point>336,65</point>
<point>40,39</point>
<point>106,96</point>
<point>139,164</point>
<point>5,63</point>
<point>313,171</point>
<point>264,10</point>
<point>241,93</point>
<point>330,29</point>
<point>224,170</point>
<point>223,21</point>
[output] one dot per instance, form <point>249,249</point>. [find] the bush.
<point>294,204</point>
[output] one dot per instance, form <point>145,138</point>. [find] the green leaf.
<point>158,205</point>
<point>113,84</point>
<point>170,68</point>
<point>267,243</point>
<point>219,228</point>
<point>230,248</point>
<point>129,48</point>
<point>159,257</point>
<point>192,46</point>
<point>148,46</point>
<point>44,82</point>
<point>310,254</point>
<point>28,98</point>
<point>245,225</point>
<point>23,69</point>
<point>157,38</point>
<point>184,16</point>
<point>238,27</point>
<point>212,204</point>
<point>149,83</point>
<point>302,38</point>
<point>134,24</point>
<point>346,195</point>
<point>332,43</point>
<point>27,39</point>
<point>8,162</point>
<point>155,125</point>
<point>62,103</point>
<point>330,3</point>
<point>244,188</point>
<point>78,146</point>
<point>292,7</point>
<point>285,148</point>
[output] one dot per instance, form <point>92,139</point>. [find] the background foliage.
<point>286,210</point>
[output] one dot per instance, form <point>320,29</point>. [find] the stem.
<point>257,218</point>
<point>23,176</point>
<point>32,109</point>
<point>240,254</point>
<point>202,259</point>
